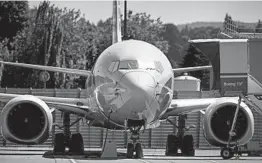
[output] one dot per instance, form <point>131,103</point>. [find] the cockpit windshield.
<point>147,65</point>
<point>128,64</point>
<point>134,64</point>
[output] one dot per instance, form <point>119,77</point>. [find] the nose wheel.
<point>134,147</point>
<point>137,149</point>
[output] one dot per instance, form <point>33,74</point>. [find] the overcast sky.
<point>177,12</point>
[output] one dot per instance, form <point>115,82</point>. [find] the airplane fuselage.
<point>132,80</point>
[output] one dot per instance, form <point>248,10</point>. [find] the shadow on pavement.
<point>87,155</point>
<point>200,158</point>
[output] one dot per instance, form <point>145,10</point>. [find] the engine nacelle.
<point>218,120</point>
<point>27,120</point>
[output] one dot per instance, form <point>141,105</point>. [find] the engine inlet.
<point>26,121</point>
<point>222,120</point>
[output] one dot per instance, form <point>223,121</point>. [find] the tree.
<point>259,27</point>
<point>13,20</point>
<point>14,16</point>
<point>62,38</point>
<point>54,37</point>
<point>141,26</point>
<point>196,58</point>
<point>175,42</point>
<point>226,21</point>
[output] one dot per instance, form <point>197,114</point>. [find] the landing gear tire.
<point>76,144</point>
<point>226,153</point>
<point>130,150</point>
<point>171,145</point>
<point>188,146</point>
<point>139,151</point>
<point>59,144</point>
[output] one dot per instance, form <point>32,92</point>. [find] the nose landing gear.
<point>135,146</point>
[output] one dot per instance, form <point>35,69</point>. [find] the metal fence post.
<point>102,137</point>
<point>30,90</point>
<point>125,139</point>
<point>54,120</point>
<point>150,139</point>
<point>4,141</point>
<point>199,122</point>
<point>78,123</point>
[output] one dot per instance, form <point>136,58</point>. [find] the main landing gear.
<point>135,146</point>
<point>180,141</point>
<point>73,141</point>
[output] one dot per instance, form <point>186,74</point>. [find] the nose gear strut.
<point>136,146</point>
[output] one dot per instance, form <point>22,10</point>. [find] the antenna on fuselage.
<point>116,36</point>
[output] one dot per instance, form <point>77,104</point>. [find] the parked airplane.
<point>130,88</point>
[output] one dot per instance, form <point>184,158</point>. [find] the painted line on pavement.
<point>143,161</point>
<point>72,160</point>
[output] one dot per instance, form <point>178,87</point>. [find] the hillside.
<point>214,25</point>
<point>200,24</point>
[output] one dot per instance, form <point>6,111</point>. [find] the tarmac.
<point>44,155</point>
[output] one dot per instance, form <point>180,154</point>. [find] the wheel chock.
<point>109,150</point>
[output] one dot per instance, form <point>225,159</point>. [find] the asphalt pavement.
<point>33,155</point>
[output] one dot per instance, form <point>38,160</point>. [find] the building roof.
<point>217,40</point>
<point>186,77</point>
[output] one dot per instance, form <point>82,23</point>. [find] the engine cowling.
<point>218,120</point>
<point>27,120</point>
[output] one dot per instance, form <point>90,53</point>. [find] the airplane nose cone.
<point>140,83</point>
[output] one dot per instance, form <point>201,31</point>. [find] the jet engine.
<point>218,120</point>
<point>27,120</point>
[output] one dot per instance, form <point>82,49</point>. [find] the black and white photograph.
<point>130,81</point>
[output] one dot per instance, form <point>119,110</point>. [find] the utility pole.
<point>125,37</point>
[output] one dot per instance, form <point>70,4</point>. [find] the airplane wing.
<point>185,106</point>
<point>186,69</point>
<point>50,68</point>
<point>79,106</point>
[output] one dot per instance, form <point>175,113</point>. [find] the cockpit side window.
<point>159,66</point>
<point>116,66</point>
<point>113,66</point>
<point>169,83</point>
<point>128,65</point>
